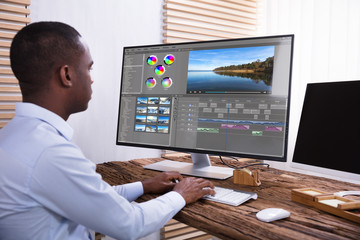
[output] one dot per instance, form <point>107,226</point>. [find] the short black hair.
<point>38,49</point>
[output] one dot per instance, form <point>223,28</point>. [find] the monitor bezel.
<point>316,167</point>
<point>207,151</point>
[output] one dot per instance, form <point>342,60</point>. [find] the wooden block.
<point>246,177</point>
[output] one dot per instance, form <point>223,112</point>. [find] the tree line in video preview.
<point>257,70</point>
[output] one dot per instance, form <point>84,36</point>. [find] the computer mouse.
<point>272,214</point>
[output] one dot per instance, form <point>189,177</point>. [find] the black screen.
<point>329,128</point>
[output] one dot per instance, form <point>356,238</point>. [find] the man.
<point>48,189</point>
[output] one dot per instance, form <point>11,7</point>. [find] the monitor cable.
<point>236,167</point>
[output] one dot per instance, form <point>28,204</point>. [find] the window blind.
<point>201,20</point>
<point>13,17</point>
<point>197,20</point>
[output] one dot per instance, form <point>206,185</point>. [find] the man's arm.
<point>66,183</point>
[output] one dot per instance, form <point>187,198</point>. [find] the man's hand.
<point>192,189</point>
<point>161,183</point>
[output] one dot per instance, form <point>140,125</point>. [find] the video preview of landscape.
<point>248,69</point>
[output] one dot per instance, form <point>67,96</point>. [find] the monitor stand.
<point>201,167</point>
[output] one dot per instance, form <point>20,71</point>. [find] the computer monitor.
<point>328,135</point>
<point>227,97</point>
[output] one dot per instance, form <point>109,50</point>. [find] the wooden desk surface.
<point>227,222</point>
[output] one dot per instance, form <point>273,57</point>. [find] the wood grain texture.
<point>228,222</point>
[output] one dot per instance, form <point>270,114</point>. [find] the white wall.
<point>327,37</point>
<point>107,26</point>
<point>327,48</point>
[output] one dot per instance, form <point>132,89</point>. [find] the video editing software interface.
<point>227,96</point>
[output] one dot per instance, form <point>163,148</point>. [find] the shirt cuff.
<point>176,200</point>
<point>131,191</point>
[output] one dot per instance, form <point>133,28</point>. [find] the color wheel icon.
<point>166,82</point>
<point>152,60</point>
<point>169,59</point>
<point>159,70</point>
<point>150,82</point>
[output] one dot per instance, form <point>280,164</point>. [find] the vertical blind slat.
<point>25,3</point>
<point>199,20</point>
<point>13,17</point>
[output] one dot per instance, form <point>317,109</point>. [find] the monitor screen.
<point>328,135</point>
<point>228,97</point>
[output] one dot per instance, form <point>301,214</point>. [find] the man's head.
<point>48,58</point>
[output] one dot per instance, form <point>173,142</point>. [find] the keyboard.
<point>230,196</point>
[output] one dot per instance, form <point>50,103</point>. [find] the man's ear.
<point>65,76</point>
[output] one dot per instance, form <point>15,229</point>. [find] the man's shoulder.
<point>27,138</point>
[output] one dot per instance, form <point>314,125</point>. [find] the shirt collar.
<point>35,111</point>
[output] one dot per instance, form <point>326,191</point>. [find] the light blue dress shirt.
<point>49,190</point>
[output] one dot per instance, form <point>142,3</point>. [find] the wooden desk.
<point>227,222</point>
